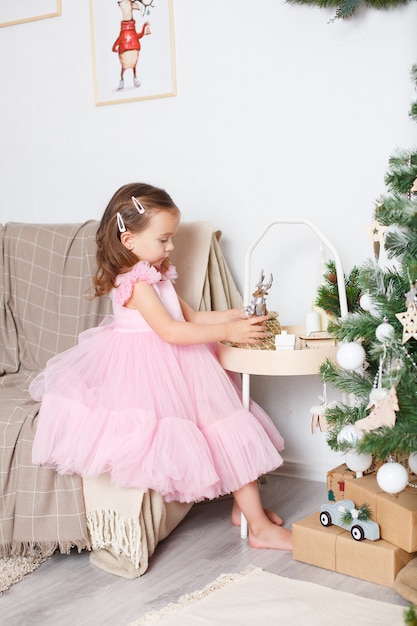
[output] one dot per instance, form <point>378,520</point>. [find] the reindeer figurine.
<point>127,45</point>
<point>257,305</point>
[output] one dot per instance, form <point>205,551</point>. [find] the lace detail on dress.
<point>142,271</point>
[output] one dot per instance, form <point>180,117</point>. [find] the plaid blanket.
<point>43,271</point>
<point>45,275</point>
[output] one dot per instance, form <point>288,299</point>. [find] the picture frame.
<point>14,12</point>
<point>133,50</point>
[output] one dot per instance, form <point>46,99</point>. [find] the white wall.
<point>279,113</point>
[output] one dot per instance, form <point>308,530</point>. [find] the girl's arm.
<point>145,299</point>
<point>211,317</point>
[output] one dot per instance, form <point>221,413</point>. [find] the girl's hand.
<point>237,314</point>
<point>250,330</point>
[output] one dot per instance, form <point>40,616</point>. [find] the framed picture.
<point>133,50</point>
<point>18,11</point>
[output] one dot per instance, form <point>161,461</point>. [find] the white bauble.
<point>365,302</point>
<point>392,477</point>
<point>358,462</point>
<point>348,434</point>
<point>412,462</point>
<point>384,332</point>
<point>350,355</point>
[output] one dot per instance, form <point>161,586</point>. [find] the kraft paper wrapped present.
<point>314,544</point>
<point>334,549</point>
<point>395,514</point>
<point>336,479</point>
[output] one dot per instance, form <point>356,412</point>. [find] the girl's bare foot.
<point>271,536</point>
<point>271,515</point>
<point>263,531</point>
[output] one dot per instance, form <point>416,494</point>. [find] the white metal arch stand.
<point>269,362</point>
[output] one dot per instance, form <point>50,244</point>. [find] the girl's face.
<point>155,242</point>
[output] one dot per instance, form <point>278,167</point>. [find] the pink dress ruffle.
<point>153,414</point>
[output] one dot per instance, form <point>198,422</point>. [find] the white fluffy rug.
<point>14,568</point>
<point>258,597</point>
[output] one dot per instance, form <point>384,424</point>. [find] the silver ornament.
<point>384,332</point>
<point>348,434</point>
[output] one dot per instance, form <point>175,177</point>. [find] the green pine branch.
<point>413,109</point>
<point>402,171</point>
<point>327,297</point>
<point>347,8</point>
<point>346,381</point>
<point>364,515</point>
<point>384,4</point>
<point>385,441</point>
<point>410,616</point>
<point>397,209</point>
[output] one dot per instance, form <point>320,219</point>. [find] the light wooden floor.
<point>69,591</point>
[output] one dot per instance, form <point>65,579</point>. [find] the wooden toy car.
<point>344,514</point>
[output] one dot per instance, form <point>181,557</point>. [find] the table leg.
<point>245,402</point>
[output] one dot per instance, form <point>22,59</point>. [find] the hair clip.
<point>138,205</point>
<point>120,223</point>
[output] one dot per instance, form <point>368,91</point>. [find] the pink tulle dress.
<point>153,414</point>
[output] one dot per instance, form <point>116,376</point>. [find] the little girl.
<point>143,396</point>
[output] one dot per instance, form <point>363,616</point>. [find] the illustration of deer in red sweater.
<point>127,45</point>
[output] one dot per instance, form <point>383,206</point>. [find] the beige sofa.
<point>45,275</point>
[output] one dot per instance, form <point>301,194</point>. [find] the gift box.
<point>395,514</point>
<point>336,479</point>
<point>335,549</point>
<point>314,544</point>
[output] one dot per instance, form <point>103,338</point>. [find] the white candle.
<point>312,322</point>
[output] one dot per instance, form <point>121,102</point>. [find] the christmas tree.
<point>376,368</point>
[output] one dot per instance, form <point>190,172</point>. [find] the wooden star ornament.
<point>376,232</point>
<point>409,321</point>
